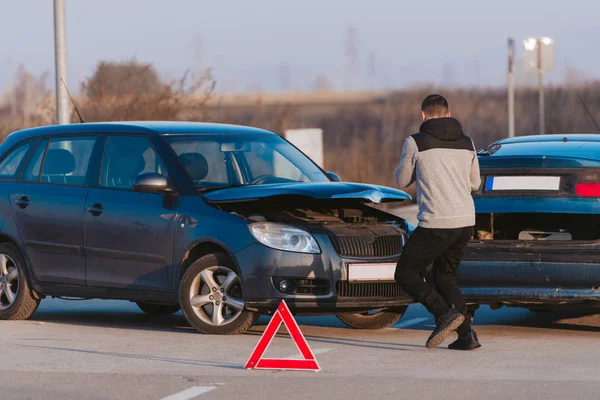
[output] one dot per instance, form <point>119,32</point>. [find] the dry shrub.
<point>274,117</point>
<point>28,103</point>
<point>133,92</point>
<point>122,79</point>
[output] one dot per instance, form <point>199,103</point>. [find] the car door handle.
<point>96,209</point>
<point>22,202</point>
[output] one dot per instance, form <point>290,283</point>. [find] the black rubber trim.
<point>124,255</point>
<point>54,247</point>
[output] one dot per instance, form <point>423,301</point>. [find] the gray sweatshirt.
<point>443,162</point>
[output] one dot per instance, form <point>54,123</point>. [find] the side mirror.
<point>151,182</point>
<point>335,177</point>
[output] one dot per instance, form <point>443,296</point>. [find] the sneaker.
<point>444,325</point>
<point>467,342</point>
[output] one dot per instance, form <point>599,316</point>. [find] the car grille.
<point>378,290</point>
<point>355,246</point>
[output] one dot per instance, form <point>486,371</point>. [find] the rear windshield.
<point>557,149</point>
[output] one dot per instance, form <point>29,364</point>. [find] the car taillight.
<point>588,189</point>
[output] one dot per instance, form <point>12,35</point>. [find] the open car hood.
<point>321,190</point>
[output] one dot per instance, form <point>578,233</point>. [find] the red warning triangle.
<point>283,315</point>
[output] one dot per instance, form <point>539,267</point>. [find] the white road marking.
<point>408,323</point>
<point>315,352</point>
<point>190,393</point>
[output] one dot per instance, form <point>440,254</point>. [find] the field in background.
<point>363,131</point>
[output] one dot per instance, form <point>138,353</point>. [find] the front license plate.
<point>522,183</point>
<point>371,272</point>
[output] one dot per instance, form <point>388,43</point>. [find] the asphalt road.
<point>111,350</point>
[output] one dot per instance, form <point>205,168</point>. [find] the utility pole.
<point>541,84</point>
<point>351,53</point>
<point>60,55</point>
<point>511,88</point>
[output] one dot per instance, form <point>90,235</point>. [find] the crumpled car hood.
<point>320,190</point>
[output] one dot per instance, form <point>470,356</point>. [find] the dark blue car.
<point>537,242</point>
<point>220,221</point>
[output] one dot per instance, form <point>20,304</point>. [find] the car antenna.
<point>74,105</point>
<point>588,110</point>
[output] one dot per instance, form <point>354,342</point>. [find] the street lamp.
<point>539,57</point>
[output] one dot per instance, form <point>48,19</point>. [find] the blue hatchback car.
<point>220,221</point>
<point>537,242</point>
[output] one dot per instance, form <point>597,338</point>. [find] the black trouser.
<point>445,249</point>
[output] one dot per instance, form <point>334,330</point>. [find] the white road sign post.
<point>309,141</point>
<point>539,56</point>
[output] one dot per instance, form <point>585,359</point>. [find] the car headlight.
<point>284,237</point>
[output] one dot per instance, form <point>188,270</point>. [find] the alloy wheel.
<point>216,296</point>
<point>9,281</point>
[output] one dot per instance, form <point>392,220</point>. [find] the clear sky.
<point>282,44</point>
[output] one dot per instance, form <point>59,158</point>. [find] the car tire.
<point>379,320</point>
<point>158,309</point>
<point>22,301</point>
<point>212,283</point>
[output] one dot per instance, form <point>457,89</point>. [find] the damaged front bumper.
<point>322,277</point>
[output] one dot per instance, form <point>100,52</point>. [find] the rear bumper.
<point>513,273</point>
<point>521,295</point>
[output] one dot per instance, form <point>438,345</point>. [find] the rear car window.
<point>67,160</point>
<point>573,149</point>
<point>34,166</point>
<point>10,165</point>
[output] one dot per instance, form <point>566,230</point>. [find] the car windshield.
<point>215,161</point>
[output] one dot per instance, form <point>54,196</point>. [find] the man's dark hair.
<point>435,106</point>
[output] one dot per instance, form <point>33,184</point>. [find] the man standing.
<point>443,163</point>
